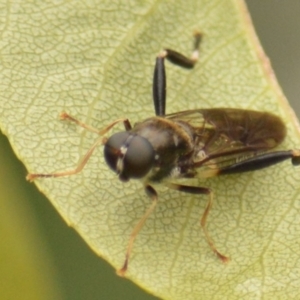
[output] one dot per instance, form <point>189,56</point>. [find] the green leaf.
<point>95,61</point>
<point>27,272</point>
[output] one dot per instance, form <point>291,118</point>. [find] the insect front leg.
<point>202,191</point>
<point>150,191</point>
<point>84,160</point>
<point>159,78</point>
<point>66,116</point>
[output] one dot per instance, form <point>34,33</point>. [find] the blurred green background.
<point>51,257</point>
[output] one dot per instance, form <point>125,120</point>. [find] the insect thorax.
<point>173,143</point>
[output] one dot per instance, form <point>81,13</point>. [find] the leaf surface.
<point>95,60</point>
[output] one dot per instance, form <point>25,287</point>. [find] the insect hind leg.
<point>202,191</point>
<point>181,60</point>
<point>261,161</point>
<point>159,78</point>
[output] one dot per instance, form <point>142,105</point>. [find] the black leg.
<point>159,78</point>
<point>201,191</point>
<point>261,161</point>
<point>159,87</point>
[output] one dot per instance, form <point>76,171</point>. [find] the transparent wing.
<point>224,136</point>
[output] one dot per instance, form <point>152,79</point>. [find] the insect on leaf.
<point>99,70</point>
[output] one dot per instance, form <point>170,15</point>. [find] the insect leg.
<point>202,191</point>
<point>78,169</point>
<point>180,59</point>
<point>159,78</point>
<point>84,160</point>
<point>66,116</point>
<point>150,191</point>
<point>261,161</point>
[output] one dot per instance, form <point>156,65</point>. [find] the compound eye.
<point>139,157</point>
<point>130,156</point>
<point>112,149</point>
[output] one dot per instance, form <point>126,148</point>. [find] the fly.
<point>195,143</point>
